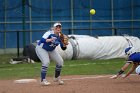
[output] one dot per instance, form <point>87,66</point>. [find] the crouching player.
<point>133,58</point>
<point>46,50</point>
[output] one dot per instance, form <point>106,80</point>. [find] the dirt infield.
<point>76,84</point>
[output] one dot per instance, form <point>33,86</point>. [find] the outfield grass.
<point>5,58</point>
<point>71,67</point>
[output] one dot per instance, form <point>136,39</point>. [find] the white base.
<point>25,81</point>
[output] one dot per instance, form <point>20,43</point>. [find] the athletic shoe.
<point>45,83</point>
<point>58,79</point>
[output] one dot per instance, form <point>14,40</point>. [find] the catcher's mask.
<point>129,51</point>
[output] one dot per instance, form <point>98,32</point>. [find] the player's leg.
<point>138,70</point>
<point>44,57</point>
<point>55,56</point>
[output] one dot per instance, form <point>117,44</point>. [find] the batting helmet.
<point>129,51</point>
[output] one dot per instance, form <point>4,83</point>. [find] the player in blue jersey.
<point>45,50</point>
<point>133,57</point>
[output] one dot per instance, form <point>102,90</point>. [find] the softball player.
<point>134,59</point>
<point>46,50</point>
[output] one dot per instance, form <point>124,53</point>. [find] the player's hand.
<point>114,77</point>
<point>52,39</point>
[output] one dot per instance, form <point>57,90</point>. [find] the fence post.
<point>115,31</point>
<point>69,31</point>
<point>17,43</point>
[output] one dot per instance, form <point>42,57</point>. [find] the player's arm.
<point>46,37</point>
<point>50,39</point>
<point>131,70</point>
<point>125,66</point>
<point>43,40</point>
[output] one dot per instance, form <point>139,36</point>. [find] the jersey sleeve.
<point>128,60</point>
<point>46,35</point>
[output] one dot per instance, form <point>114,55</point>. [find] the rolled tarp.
<point>104,47</point>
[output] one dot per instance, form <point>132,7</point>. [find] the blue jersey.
<point>135,57</point>
<point>50,46</point>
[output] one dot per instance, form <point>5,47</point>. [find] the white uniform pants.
<point>45,56</point>
<point>138,70</point>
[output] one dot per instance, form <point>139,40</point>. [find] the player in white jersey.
<point>46,50</point>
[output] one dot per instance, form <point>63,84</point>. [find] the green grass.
<point>71,67</point>
<point>5,58</point>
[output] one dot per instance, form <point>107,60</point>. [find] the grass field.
<point>71,67</point>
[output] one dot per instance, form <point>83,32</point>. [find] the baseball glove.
<point>64,38</point>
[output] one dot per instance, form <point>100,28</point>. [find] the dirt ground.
<point>76,84</point>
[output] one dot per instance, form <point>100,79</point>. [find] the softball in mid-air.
<point>92,11</point>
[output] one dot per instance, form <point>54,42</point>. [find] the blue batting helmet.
<point>129,50</point>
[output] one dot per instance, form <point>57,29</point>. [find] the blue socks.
<point>43,72</point>
<point>57,71</point>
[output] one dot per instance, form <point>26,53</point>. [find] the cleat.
<point>45,83</point>
<point>60,82</point>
